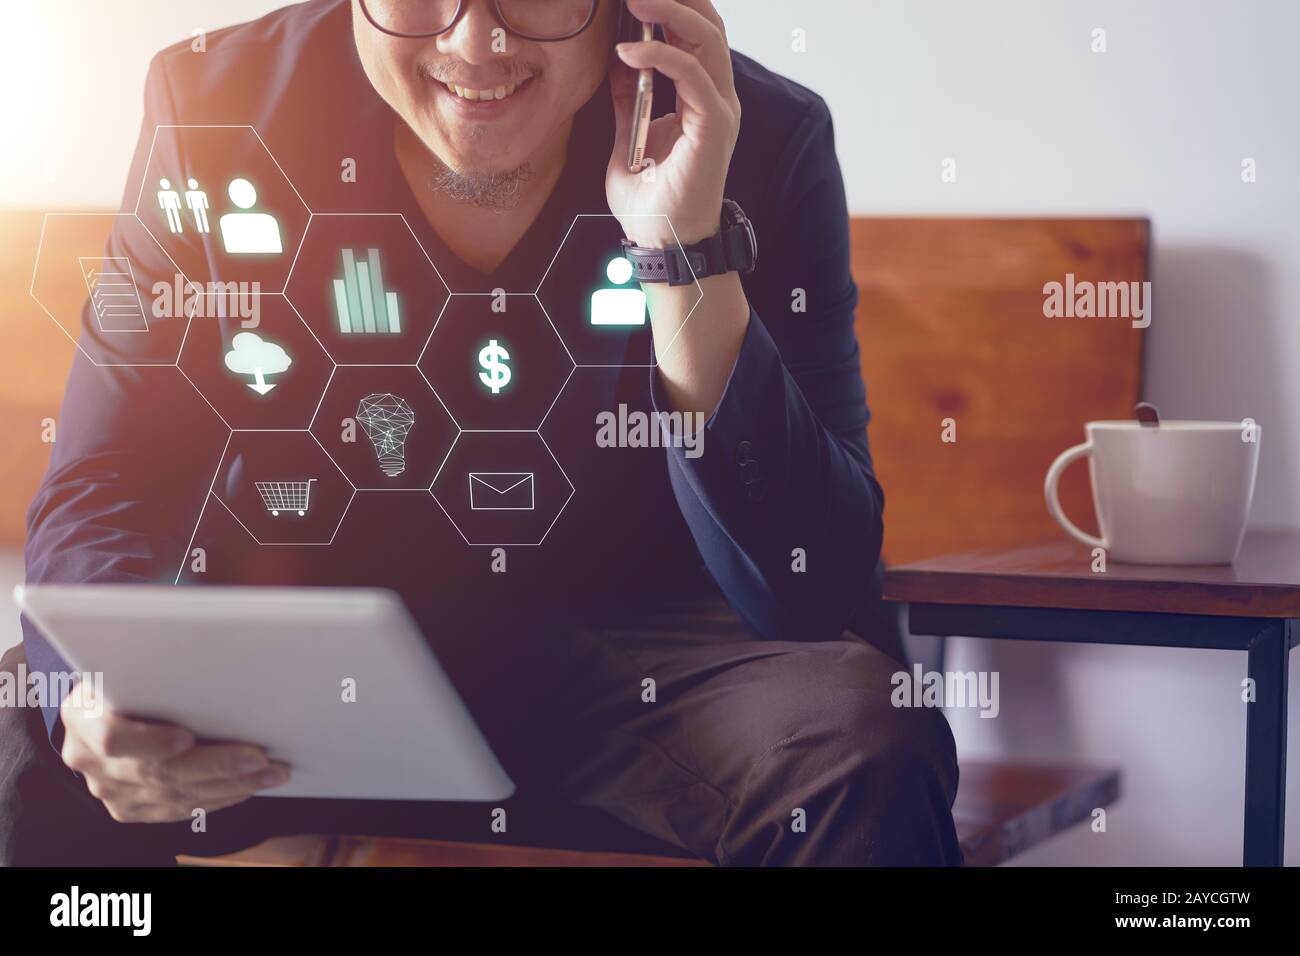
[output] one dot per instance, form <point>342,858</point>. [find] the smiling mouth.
<point>488,94</point>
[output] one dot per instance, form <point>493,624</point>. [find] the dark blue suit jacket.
<point>786,462</point>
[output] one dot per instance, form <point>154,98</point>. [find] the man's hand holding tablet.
<point>149,772</point>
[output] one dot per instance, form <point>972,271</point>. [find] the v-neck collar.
<point>579,189</point>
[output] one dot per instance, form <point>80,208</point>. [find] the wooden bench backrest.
<point>952,326</point>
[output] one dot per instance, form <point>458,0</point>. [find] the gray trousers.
<point>682,727</point>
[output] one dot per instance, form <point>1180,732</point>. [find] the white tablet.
<point>338,683</point>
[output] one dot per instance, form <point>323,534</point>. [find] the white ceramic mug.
<point>1175,493</point>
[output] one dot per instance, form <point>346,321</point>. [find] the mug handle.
<point>1063,461</point>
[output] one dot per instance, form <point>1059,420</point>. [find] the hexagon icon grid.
<point>263,243</point>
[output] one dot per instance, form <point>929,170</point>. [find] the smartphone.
<point>645,91</point>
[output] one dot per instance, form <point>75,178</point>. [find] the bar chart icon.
<point>363,305</point>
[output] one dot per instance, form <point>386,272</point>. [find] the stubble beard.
<point>494,189</point>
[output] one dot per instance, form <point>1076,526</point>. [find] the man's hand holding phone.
<point>148,772</point>
<point>691,148</point>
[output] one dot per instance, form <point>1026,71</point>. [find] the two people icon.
<point>242,233</point>
<point>195,199</point>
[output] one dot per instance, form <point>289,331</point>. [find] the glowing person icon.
<point>170,201</point>
<point>248,233</point>
<point>197,200</point>
<point>618,307</point>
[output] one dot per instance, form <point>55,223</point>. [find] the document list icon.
<point>501,491</point>
<point>113,295</point>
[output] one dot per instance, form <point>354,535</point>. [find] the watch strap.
<point>673,264</point>
<point>728,250</point>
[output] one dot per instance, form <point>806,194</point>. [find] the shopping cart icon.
<point>285,495</point>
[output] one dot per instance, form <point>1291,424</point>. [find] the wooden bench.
<point>1001,810</point>
<point>952,328</point>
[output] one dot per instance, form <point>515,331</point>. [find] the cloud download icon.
<point>250,354</point>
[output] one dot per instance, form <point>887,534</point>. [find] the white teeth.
<point>495,93</point>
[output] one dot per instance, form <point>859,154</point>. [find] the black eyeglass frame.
<point>495,7</point>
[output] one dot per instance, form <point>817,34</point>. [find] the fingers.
<point>208,792</point>
<point>689,29</point>
<point>110,734</point>
<point>116,785</point>
<point>147,772</point>
<point>132,804</point>
<point>129,802</point>
<point>201,764</point>
<point>695,88</point>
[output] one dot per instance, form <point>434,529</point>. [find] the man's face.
<point>484,111</point>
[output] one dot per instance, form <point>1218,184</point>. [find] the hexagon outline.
<point>189,548</point>
<point>31,290</point>
<point>261,142</point>
<point>428,381</point>
<point>414,238</point>
<point>312,424</point>
<point>504,544</point>
<point>306,325</point>
<point>355,487</point>
<point>555,401</point>
<point>194,385</point>
<point>573,365</point>
<point>189,321</point>
<point>609,215</point>
<point>272,544</point>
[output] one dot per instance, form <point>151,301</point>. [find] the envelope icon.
<point>501,491</point>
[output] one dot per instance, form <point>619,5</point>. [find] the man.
<point>601,666</point>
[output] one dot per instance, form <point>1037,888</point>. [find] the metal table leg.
<point>1266,745</point>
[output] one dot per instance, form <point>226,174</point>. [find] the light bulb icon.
<point>387,421</point>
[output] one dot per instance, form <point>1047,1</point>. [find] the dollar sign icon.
<point>496,373</point>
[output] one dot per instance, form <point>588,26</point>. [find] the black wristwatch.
<point>733,248</point>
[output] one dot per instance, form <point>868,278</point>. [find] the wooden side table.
<point>1050,593</point>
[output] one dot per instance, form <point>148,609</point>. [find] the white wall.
<point>1157,125</point>
<point>73,74</point>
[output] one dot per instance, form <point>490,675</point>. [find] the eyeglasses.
<point>541,20</point>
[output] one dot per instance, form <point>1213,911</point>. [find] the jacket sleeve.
<point>783,503</point>
<point>135,447</point>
